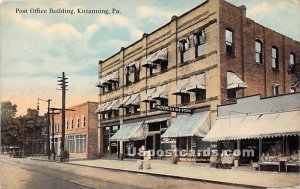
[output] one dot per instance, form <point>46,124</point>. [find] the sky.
<point>35,48</point>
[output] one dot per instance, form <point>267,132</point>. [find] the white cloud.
<point>153,12</point>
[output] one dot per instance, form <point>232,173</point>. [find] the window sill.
<point>275,69</point>
<point>109,91</point>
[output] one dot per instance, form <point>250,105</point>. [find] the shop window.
<point>164,102</point>
<point>200,95</point>
<point>71,145</point>
<point>185,98</point>
<point>184,143</point>
<point>199,41</point>
<point>184,47</point>
<point>229,42</point>
<point>80,141</point>
<point>258,51</point>
<point>275,57</point>
<point>231,94</point>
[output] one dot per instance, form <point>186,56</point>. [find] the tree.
<point>8,122</point>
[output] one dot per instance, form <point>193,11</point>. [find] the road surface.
<point>23,173</point>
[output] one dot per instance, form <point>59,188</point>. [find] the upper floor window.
<point>229,42</point>
<point>275,89</point>
<point>82,121</point>
<point>292,59</point>
<point>67,124</point>
<point>275,57</point>
<point>185,98</point>
<point>199,41</point>
<point>184,48</point>
<point>72,123</point>
<point>77,122</point>
<point>200,95</point>
<point>258,51</point>
<point>132,74</point>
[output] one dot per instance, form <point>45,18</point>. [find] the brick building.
<point>80,129</point>
<point>206,57</point>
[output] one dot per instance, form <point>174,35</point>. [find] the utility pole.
<point>48,126</point>
<point>53,147</point>
<point>63,84</point>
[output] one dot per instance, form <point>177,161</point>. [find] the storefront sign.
<point>173,109</point>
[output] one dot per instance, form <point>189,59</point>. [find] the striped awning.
<point>233,81</point>
<point>113,105</point>
<point>134,100</point>
<point>103,107</point>
<point>131,131</point>
<point>197,124</point>
<point>197,82</point>
<point>113,77</point>
<point>160,55</point>
<point>161,92</point>
<point>147,96</point>
<point>255,126</point>
<point>181,87</point>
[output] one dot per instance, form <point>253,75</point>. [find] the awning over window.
<point>160,55</point>
<point>113,105</point>
<point>134,100</point>
<point>197,124</point>
<point>197,82</point>
<point>161,92</point>
<point>124,101</point>
<point>131,131</point>
<point>147,62</point>
<point>255,126</point>
<point>233,81</point>
<point>103,107</point>
<point>147,97</point>
<point>113,77</point>
<point>181,87</point>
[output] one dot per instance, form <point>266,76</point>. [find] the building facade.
<point>81,131</point>
<point>206,57</point>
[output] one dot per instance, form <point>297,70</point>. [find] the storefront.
<point>272,137</point>
<point>188,130</point>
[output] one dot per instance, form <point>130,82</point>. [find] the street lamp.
<point>48,123</point>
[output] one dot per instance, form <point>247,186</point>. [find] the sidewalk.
<point>242,176</point>
<point>201,172</point>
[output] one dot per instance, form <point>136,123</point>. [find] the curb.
<point>161,175</point>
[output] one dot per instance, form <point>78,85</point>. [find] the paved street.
<point>32,174</point>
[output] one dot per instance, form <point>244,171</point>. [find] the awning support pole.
<point>260,147</point>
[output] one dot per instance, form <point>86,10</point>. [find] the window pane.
<point>292,59</point>
<point>257,47</point>
<point>228,36</point>
<point>200,50</point>
<point>274,53</point>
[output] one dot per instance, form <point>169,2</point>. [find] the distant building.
<point>80,130</point>
<point>210,55</point>
<point>36,127</point>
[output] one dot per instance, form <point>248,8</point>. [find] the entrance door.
<point>149,142</point>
